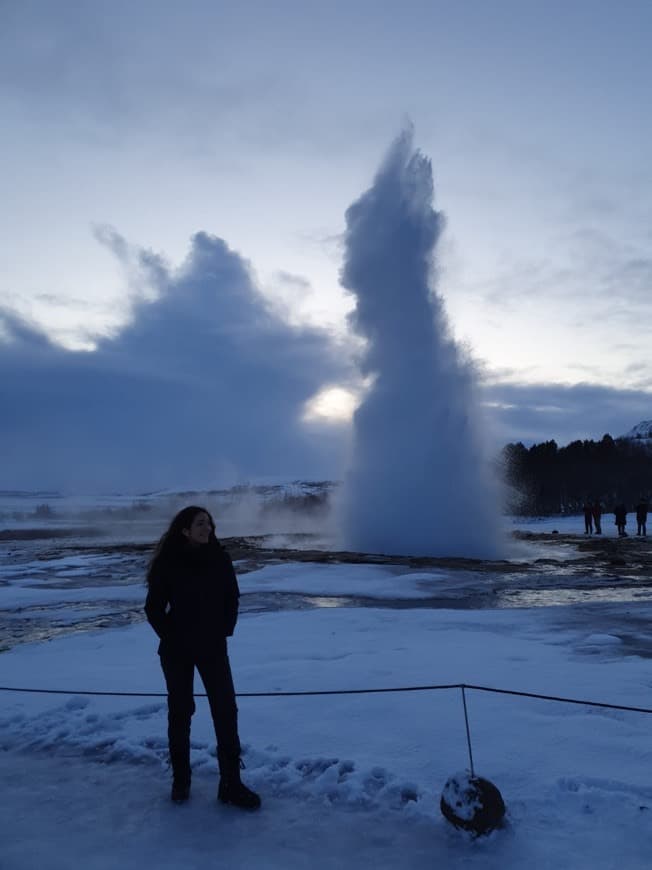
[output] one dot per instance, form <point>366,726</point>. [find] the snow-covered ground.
<point>347,781</point>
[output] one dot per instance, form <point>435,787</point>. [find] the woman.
<point>192,605</point>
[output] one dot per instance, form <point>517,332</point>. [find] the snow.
<point>642,431</point>
<point>374,581</point>
<point>460,795</point>
<point>18,596</point>
<point>346,781</point>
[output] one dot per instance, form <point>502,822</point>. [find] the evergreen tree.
<point>546,479</point>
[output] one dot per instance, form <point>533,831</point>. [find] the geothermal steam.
<point>419,481</point>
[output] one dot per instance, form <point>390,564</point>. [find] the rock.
<point>472,803</point>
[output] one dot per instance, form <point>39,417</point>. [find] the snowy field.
<point>347,781</point>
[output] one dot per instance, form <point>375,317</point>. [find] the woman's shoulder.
<point>166,565</point>
<point>218,552</point>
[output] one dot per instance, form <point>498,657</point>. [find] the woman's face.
<point>200,529</point>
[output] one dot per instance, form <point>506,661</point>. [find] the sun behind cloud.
<point>331,404</point>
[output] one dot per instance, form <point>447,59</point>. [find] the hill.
<point>641,432</point>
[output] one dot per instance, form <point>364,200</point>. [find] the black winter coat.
<point>192,602</point>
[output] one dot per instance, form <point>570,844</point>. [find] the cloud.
<point>114,75</point>
<point>539,412</point>
<point>206,384</point>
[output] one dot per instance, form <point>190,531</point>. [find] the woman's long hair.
<point>174,541</point>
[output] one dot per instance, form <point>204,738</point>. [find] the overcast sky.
<point>158,157</point>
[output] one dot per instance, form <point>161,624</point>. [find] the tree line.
<point>548,479</point>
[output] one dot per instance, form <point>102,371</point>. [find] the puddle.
<point>563,597</point>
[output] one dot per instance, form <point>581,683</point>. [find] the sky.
<point>136,136</point>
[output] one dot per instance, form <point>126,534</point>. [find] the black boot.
<point>179,737</point>
<point>236,792</point>
<point>232,790</point>
<point>180,790</point>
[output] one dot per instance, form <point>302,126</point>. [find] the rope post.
<point>468,732</point>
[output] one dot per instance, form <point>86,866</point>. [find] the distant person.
<point>620,513</point>
<point>641,517</point>
<point>192,605</point>
<point>588,518</point>
<point>596,511</point>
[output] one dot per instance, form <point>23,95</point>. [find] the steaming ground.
<point>80,565</point>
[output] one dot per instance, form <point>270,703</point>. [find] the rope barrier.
<point>319,692</point>
<point>468,732</point>
<point>296,694</point>
<point>561,699</point>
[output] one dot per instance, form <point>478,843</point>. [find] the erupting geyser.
<point>420,481</point>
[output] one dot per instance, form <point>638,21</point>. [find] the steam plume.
<point>419,481</point>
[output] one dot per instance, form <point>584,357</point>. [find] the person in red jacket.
<point>192,605</point>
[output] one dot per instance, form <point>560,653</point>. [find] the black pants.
<point>215,671</point>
